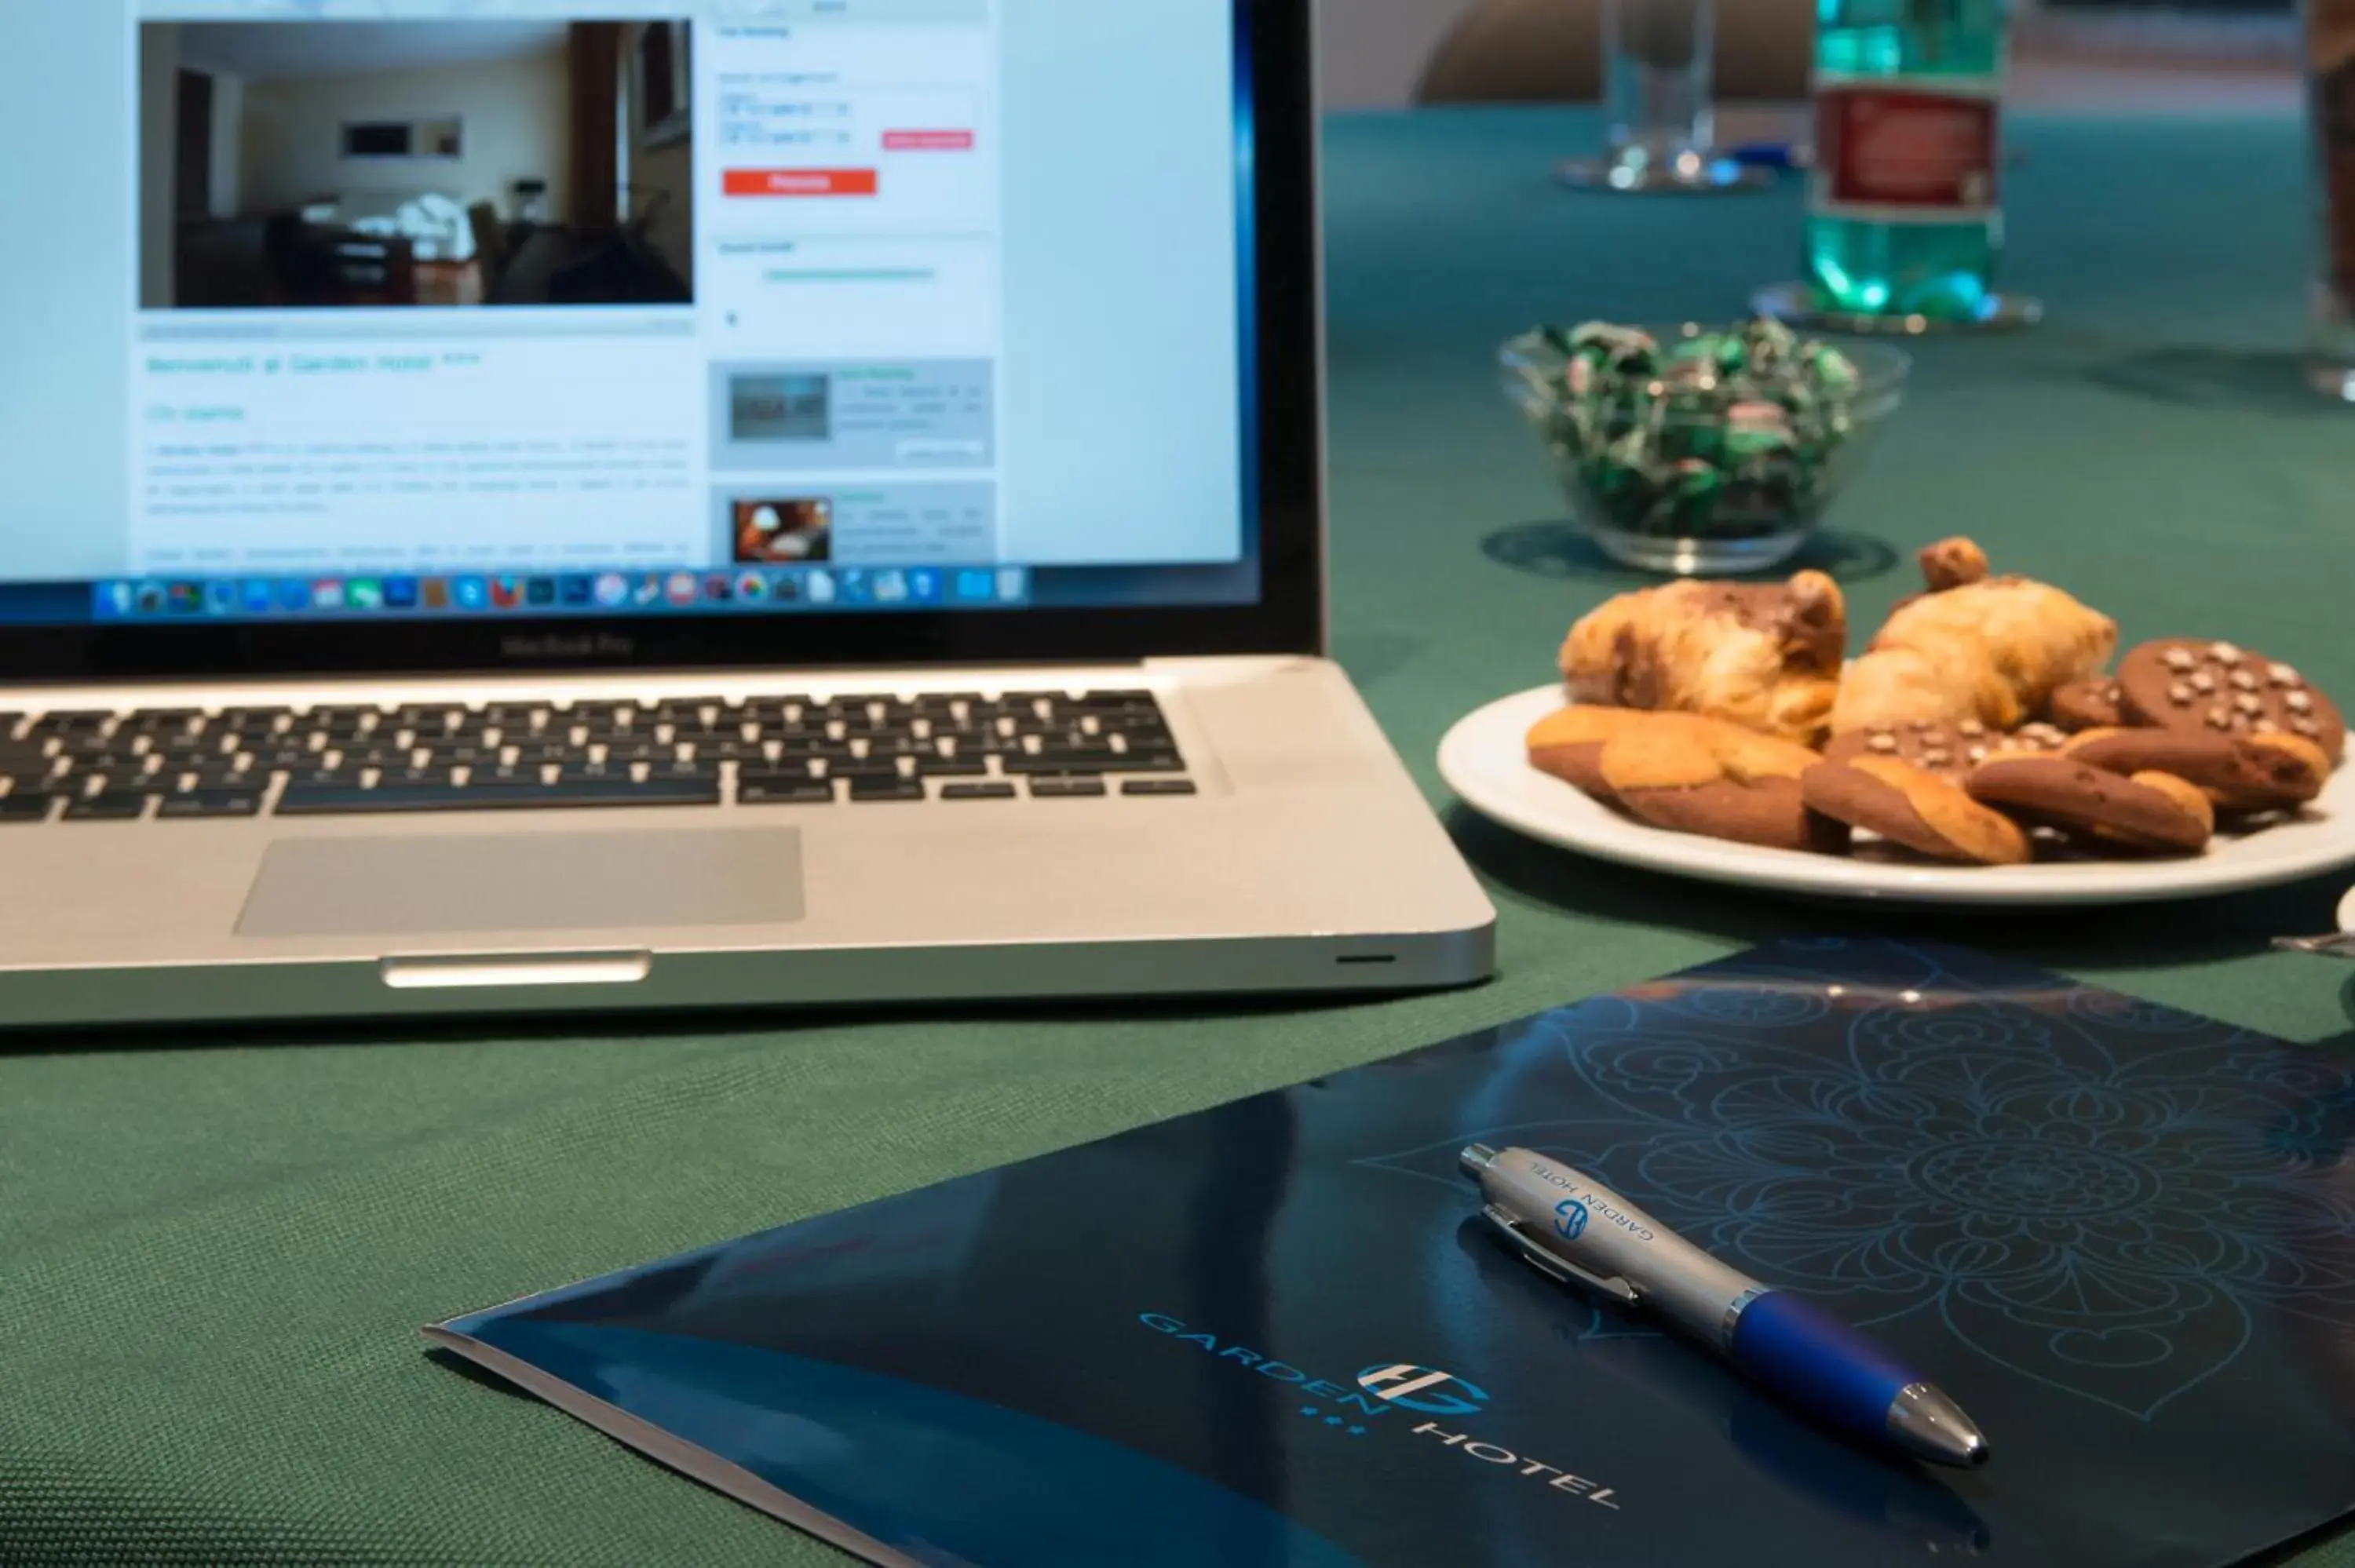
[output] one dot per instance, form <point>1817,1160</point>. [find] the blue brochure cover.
<point>2123,1237</point>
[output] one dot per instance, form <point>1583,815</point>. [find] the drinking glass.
<point>2330,95</point>
<point>1658,66</point>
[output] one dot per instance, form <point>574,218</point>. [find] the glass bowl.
<point>1670,469</point>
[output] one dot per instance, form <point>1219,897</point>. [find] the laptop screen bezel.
<point>1276,133</point>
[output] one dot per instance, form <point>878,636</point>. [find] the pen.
<point>1574,1230</point>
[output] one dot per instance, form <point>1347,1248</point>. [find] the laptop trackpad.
<point>464,883</point>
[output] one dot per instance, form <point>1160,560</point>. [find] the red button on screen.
<point>799,182</point>
<point>928,141</point>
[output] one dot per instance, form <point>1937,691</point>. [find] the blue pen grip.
<point>1818,1362</point>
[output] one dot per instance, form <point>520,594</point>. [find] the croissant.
<point>1973,647</point>
<point>1767,656</point>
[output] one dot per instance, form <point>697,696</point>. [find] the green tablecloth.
<point>215,1251</point>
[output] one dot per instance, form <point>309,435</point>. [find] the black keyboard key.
<point>1148,762</point>
<point>868,792</point>
<point>112,806</point>
<point>1066,789</point>
<point>872,768</point>
<point>78,722</point>
<point>782,790</point>
<point>1061,762</point>
<point>952,767</point>
<point>978,792</point>
<point>397,798</point>
<point>1159,787</point>
<point>19,808</point>
<point>235,781</point>
<point>212,803</point>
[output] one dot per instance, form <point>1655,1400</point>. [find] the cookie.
<point>1926,813</point>
<point>2185,683</point>
<point>1948,750</point>
<point>2095,704</point>
<point>1719,781</point>
<point>2169,816</point>
<point>2267,772</point>
<point>1568,744</point>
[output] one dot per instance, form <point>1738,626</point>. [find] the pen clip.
<point>1553,1265</point>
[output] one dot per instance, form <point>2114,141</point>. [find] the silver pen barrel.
<point>1561,1216</point>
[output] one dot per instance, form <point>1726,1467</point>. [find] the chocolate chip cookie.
<point>1948,750</point>
<point>2186,683</point>
<point>2095,704</point>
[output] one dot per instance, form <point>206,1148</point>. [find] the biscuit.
<point>2081,799</point>
<point>2237,773</point>
<point>1719,781</point>
<point>2189,683</point>
<point>1926,813</point>
<point>1568,744</point>
<point>1949,751</point>
<point>2091,704</point>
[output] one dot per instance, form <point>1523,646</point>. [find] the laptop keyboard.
<point>184,764</point>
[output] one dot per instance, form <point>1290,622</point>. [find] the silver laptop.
<point>514,507</point>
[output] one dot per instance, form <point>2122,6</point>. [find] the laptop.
<point>518,507</point>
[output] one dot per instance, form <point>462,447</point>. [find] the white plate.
<point>1485,761</point>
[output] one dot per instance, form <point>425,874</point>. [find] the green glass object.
<point>1701,451</point>
<point>1905,217</point>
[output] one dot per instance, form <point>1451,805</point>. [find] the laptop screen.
<point>433,307</point>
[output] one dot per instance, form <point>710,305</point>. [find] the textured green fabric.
<point>215,1251</point>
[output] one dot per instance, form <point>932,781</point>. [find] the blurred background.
<point>2192,57</point>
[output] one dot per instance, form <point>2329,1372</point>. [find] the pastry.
<point>1992,649</point>
<point>2189,682</point>
<point>1568,744</point>
<point>1766,656</point>
<point>1926,813</point>
<point>2148,811</point>
<point>1949,751</point>
<point>2091,704</point>
<point>2270,772</point>
<point>1717,779</point>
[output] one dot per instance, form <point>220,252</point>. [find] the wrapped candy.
<point>1711,430</point>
